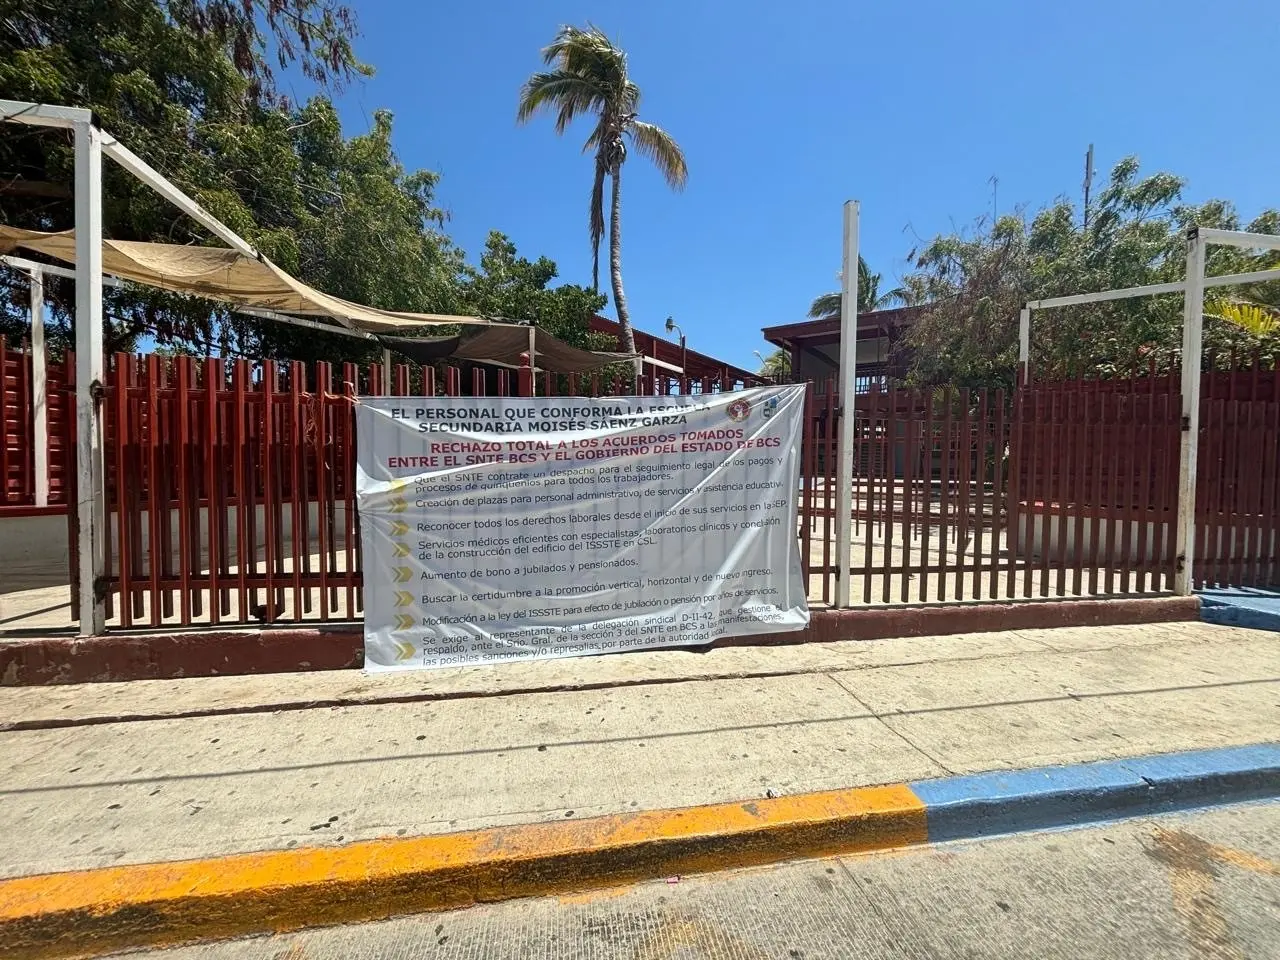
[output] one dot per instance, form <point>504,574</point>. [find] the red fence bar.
<point>926,398</point>
<point>1097,441</point>
<point>910,454</point>
<point>1271,490</point>
<point>186,497</point>
<point>12,489</point>
<point>947,476</point>
<point>829,526</point>
<point>1000,443</point>
<point>808,470</point>
<point>870,508</point>
<point>964,451</point>
<point>889,446</point>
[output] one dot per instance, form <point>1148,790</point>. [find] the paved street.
<point>124,773</point>
<point>1200,886</point>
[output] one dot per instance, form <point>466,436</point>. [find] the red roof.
<point>700,365</point>
<point>827,330</point>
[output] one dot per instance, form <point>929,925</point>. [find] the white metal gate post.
<point>39,390</point>
<point>90,503</point>
<point>1192,342</point>
<point>1024,342</point>
<point>848,380</point>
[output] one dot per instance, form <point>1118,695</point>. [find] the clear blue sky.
<point>785,110</point>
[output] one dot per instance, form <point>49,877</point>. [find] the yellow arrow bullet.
<point>399,549</point>
<point>403,598</point>
<point>403,574</point>
<point>403,650</point>
<point>399,528</point>
<point>398,506</point>
<point>404,621</point>
<point>399,484</point>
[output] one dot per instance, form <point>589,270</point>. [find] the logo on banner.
<point>770,407</point>
<point>738,411</point>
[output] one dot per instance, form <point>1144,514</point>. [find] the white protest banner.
<point>516,528</point>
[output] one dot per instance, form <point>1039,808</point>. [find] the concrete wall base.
<point>208,653</point>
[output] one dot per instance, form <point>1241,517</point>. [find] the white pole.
<point>848,378</point>
<point>533,344</point>
<point>144,172</point>
<point>39,390</point>
<point>1192,342</point>
<point>90,504</point>
<point>1024,342</point>
<point>387,389</point>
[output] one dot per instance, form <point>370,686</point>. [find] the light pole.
<point>672,326</point>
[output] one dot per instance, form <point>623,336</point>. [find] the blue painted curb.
<point>1241,607</point>
<point>1035,799</point>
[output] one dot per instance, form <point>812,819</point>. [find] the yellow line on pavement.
<point>93,911</point>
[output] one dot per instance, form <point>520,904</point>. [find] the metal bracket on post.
<point>848,405</point>
<point>90,506</point>
<point>1192,344</point>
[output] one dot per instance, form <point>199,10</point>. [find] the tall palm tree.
<point>590,77</point>
<point>869,298</point>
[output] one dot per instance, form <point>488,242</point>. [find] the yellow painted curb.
<point>93,911</point>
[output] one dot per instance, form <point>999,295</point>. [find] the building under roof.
<point>814,346</point>
<point>664,357</point>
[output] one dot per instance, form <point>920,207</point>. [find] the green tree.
<point>869,297</point>
<point>590,76</point>
<point>508,286</point>
<point>188,85</point>
<point>974,283</point>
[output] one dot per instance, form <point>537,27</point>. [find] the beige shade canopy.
<point>217,273</point>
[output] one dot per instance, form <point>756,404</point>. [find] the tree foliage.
<point>777,365</point>
<point>506,285</point>
<point>189,86</point>
<point>974,284</point>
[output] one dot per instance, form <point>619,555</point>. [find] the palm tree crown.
<point>869,298</point>
<point>589,76</point>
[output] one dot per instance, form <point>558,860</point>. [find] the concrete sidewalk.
<point>165,770</point>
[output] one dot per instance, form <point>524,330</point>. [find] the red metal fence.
<point>973,495</point>
<point>230,485</point>
<point>1238,482</point>
<point>230,489</point>
<point>1118,481</point>
<point>17,430</point>
<point>1095,481</point>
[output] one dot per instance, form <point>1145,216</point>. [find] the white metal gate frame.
<point>91,143</point>
<point>1192,287</point>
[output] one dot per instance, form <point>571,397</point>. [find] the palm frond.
<point>826,305</point>
<point>1256,318</point>
<point>589,54</point>
<point>660,147</point>
<point>597,136</point>
<point>564,93</point>
<point>900,295</point>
